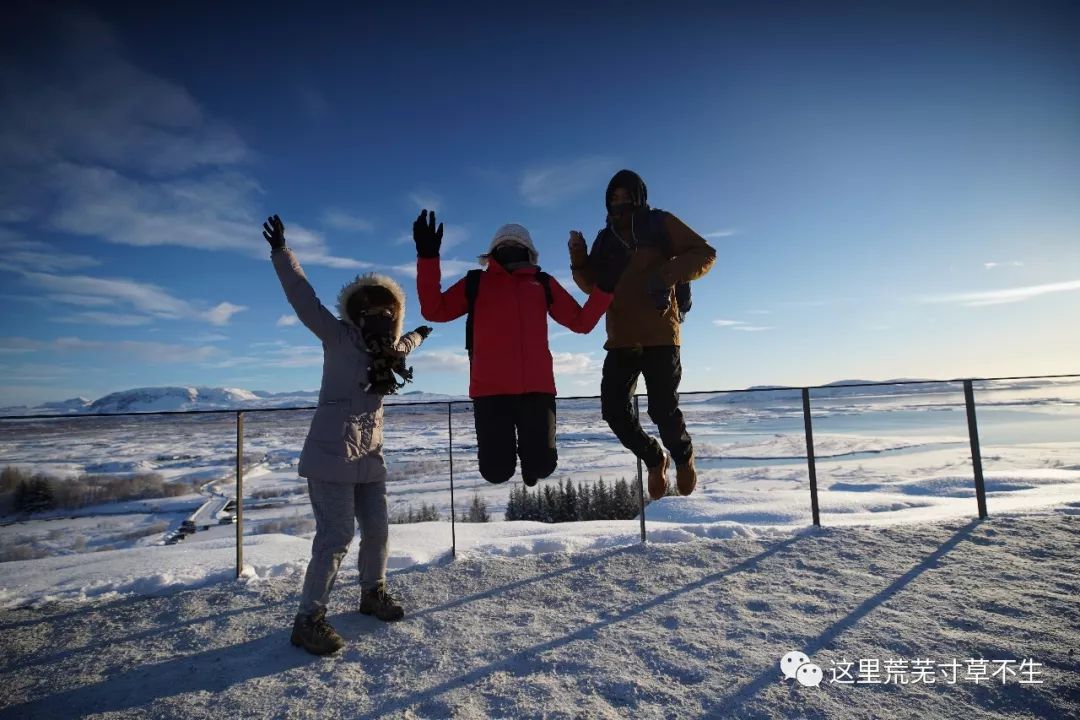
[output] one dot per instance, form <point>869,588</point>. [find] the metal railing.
<point>969,402</point>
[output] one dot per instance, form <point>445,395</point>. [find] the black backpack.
<point>472,287</point>
<point>655,234</point>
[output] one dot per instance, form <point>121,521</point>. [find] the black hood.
<point>632,183</point>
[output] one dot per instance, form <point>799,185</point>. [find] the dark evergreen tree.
<point>570,503</point>
<point>38,495</point>
<point>478,511</point>
<point>548,505</point>
<point>622,506</point>
<point>513,504</point>
<point>601,501</point>
<point>529,505</point>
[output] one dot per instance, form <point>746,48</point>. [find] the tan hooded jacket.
<point>632,319</point>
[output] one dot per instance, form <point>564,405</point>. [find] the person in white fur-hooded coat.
<point>363,350</point>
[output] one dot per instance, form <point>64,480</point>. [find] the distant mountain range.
<point>163,399</point>
<point>173,399</point>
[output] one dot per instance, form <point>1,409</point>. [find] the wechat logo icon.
<point>796,665</point>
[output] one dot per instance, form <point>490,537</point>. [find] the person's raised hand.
<point>428,239</point>
<point>274,232</point>
<point>577,242</point>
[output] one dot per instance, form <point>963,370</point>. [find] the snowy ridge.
<point>184,398</point>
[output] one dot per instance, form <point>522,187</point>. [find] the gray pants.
<point>336,505</point>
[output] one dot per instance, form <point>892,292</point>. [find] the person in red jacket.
<point>511,374</point>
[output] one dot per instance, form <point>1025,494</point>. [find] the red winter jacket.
<point>510,336</point>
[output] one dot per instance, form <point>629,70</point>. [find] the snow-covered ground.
<point>685,626</point>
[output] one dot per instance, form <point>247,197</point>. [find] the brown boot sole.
<point>298,642</point>
<point>384,618</point>
<point>686,485</point>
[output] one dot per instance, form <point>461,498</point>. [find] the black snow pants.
<point>662,368</point>
<point>508,426</point>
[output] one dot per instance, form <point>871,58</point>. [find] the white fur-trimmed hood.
<point>373,280</point>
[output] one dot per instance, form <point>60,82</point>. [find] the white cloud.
<point>83,300</point>
<point>441,361</point>
<point>341,220</point>
<point>451,270</point>
<point>310,249</point>
<point>220,314</point>
<point>721,234</point>
<point>424,200</point>
<point>89,104</point>
<point>452,235</point>
<point>105,318</point>
<point>287,321</point>
<point>551,184</point>
<point>145,298</point>
<point>98,147</point>
<point>129,349</point>
<point>20,344</point>
<point>294,356</point>
<point>740,325</point>
<point>575,363</point>
<point>20,254</point>
<point>992,265</point>
<point>1003,296</point>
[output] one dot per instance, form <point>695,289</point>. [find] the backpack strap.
<point>545,281</point>
<point>472,287</point>
<point>659,228</point>
<point>683,297</point>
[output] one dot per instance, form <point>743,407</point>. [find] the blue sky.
<point>892,190</point>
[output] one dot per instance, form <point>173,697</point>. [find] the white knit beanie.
<point>512,233</point>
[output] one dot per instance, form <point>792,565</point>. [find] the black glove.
<point>428,239</point>
<point>274,232</point>
<point>659,291</point>
<point>423,331</point>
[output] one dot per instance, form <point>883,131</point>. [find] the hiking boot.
<point>529,481</point>
<point>686,477</point>
<point>658,479</point>
<point>315,634</point>
<point>381,604</point>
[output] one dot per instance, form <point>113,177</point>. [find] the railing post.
<point>640,483</point>
<point>810,462</point>
<point>239,493</point>
<point>453,512</point>
<point>976,453</point>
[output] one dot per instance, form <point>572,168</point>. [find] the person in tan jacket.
<point>661,255</point>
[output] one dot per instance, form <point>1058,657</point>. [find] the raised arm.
<point>693,255</point>
<point>566,311</point>
<point>298,290</point>
<point>435,305</point>
<point>580,267</point>
<point>412,340</point>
